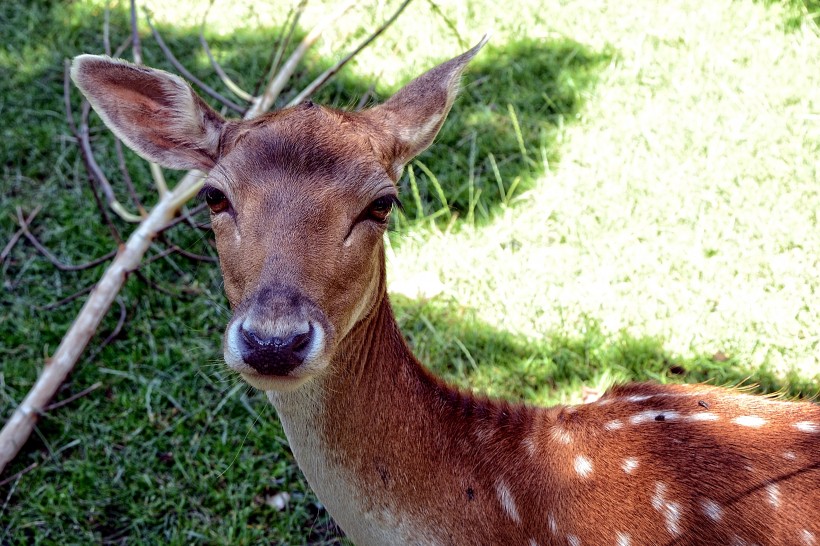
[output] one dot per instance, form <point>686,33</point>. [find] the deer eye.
<point>216,200</point>
<point>379,210</point>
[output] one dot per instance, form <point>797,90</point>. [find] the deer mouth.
<point>278,342</point>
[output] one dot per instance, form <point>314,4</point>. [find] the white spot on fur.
<point>553,524</point>
<point>630,464</point>
<point>560,435</point>
<point>673,518</point>
<point>583,466</point>
<point>807,427</point>
<point>670,510</point>
<point>533,542</point>
<point>773,492</point>
<point>623,539</point>
<point>657,498</point>
<point>808,537</point>
<point>614,425</point>
<point>749,421</point>
<point>653,415</point>
<point>789,455</point>
<point>530,445</point>
<point>737,541</point>
<point>702,416</point>
<point>637,398</point>
<point>507,501</point>
<point>573,540</point>
<point>711,509</point>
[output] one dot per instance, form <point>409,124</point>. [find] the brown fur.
<point>396,455</point>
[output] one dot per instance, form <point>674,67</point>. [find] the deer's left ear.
<point>155,113</point>
<point>412,118</point>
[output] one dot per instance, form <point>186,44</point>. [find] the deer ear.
<point>155,113</point>
<point>412,117</point>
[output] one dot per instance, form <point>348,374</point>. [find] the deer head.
<point>299,199</point>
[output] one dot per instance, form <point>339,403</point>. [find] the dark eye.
<point>216,200</point>
<point>380,209</point>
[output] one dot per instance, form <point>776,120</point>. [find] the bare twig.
<point>185,72</point>
<point>274,88</point>
<point>135,35</point>
<point>179,219</point>
<point>17,234</point>
<point>126,176</point>
<point>51,257</point>
<point>159,288</point>
<point>323,78</point>
<point>96,171</point>
<point>114,333</point>
<point>291,22</point>
<point>72,398</point>
<point>65,300</point>
<point>190,255</point>
<point>229,83</point>
<point>17,475</point>
<point>106,29</point>
<point>19,426</point>
<point>82,136</point>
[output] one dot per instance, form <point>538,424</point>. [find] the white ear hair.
<point>155,113</point>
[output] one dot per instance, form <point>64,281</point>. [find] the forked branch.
<point>129,256</point>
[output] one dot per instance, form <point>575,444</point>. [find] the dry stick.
<point>51,257</point>
<point>13,477</point>
<point>81,134</point>
<point>283,44</point>
<point>18,428</point>
<point>135,35</point>
<point>274,88</point>
<point>232,86</point>
<point>110,337</point>
<point>73,397</point>
<point>126,176</point>
<point>324,77</point>
<point>19,233</point>
<point>67,299</point>
<point>208,90</point>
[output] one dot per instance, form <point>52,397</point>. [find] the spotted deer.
<point>300,200</point>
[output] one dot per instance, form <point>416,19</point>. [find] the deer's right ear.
<point>412,117</point>
<point>155,113</point>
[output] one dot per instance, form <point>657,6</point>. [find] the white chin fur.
<point>313,364</point>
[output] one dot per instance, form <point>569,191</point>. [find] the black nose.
<point>274,355</point>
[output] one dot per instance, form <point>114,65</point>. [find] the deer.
<point>299,201</point>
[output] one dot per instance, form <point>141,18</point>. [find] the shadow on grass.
<point>502,131</point>
<point>456,345</point>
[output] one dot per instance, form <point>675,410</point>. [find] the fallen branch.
<point>207,89</point>
<point>325,76</point>
<point>128,259</point>
<point>51,257</point>
<point>73,397</point>
<point>17,234</point>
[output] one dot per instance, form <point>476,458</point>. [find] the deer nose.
<point>275,355</point>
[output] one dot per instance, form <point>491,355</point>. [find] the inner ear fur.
<point>156,114</point>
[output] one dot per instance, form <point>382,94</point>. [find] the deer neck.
<point>377,430</point>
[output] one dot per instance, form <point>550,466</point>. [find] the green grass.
<point>631,193</point>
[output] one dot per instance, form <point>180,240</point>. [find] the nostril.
<point>275,355</point>
<point>299,342</point>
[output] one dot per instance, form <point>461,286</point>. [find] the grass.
<point>631,193</point>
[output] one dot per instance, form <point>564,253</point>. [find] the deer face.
<point>299,202</point>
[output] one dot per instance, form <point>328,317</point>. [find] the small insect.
<point>703,404</point>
